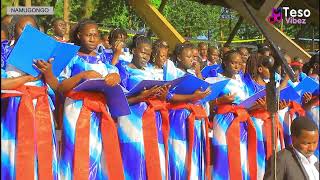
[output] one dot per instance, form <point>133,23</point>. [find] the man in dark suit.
<point>298,162</point>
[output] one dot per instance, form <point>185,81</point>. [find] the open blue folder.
<point>143,85</point>
<point>306,85</point>
<point>188,85</point>
<point>248,103</point>
<point>288,94</point>
<point>116,100</point>
<point>35,45</point>
<point>211,71</point>
<point>216,87</point>
<point>184,85</point>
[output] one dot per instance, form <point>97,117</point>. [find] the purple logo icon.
<point>276,16</point>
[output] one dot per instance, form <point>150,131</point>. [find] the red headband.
<point>296,63</point>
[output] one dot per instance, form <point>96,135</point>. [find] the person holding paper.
<point>136,144</point>
<point>28,114</point>
<point>256,78</point>
<point>183,58</point>
<point>234,134</point>
<point>188,150</point>
<point>91,146</point>
<point>312,69</point>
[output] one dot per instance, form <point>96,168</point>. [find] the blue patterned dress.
<point>131,132</point>
<point>178,140</point>
<point>72,110</point>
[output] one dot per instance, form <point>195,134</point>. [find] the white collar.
<point>311,160</point>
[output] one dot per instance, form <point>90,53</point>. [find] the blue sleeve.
<point>66,73</point>
<point>124,75</point>
<point>3,73</point>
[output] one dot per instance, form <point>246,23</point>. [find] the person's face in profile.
<point>306,143</point>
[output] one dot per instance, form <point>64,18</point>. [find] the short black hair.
<point>55,20</point>
<point>137,40</point>
<point>313,60</point>
<point>156,46</point>
<point>16,19</point>
<point>263,48</point>
<point>178,50</point>
<point>302,123</point>
<point>114,33</point>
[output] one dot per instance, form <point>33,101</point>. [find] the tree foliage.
<point>190,18</point>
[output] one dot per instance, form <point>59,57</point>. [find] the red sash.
<point>34,128</point>
<point>95,102</point>
<point>295,108</point>
<point>196,112</point>
<point>150,137</point>
<point>264,115</point>
<point>233,141</point>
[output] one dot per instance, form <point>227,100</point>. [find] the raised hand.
<point>306,97</point>
<point>44,67</point>
<point>283,104</point>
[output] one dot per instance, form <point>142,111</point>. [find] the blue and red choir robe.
<point>90,146</point>
<point>141,132</point>
<point>235,137</point>
<point>263,123</point>
<point>170,136</point>
<point>288,114</point>
<point>189,145</point>
<point>28,142</point>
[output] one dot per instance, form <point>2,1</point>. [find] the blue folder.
<point>33,44</point>
<point>289,94</point>
<point>216,88</point>
<point>116,100</point>
<point>306,85</point>
<point>211,71</point>
<point>248,103</point>
<point>143,85</point>
<point>187,85</point>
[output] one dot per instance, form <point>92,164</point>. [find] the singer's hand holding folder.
<point>35,45</point>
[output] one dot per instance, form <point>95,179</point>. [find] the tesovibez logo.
<point>291,16</point>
